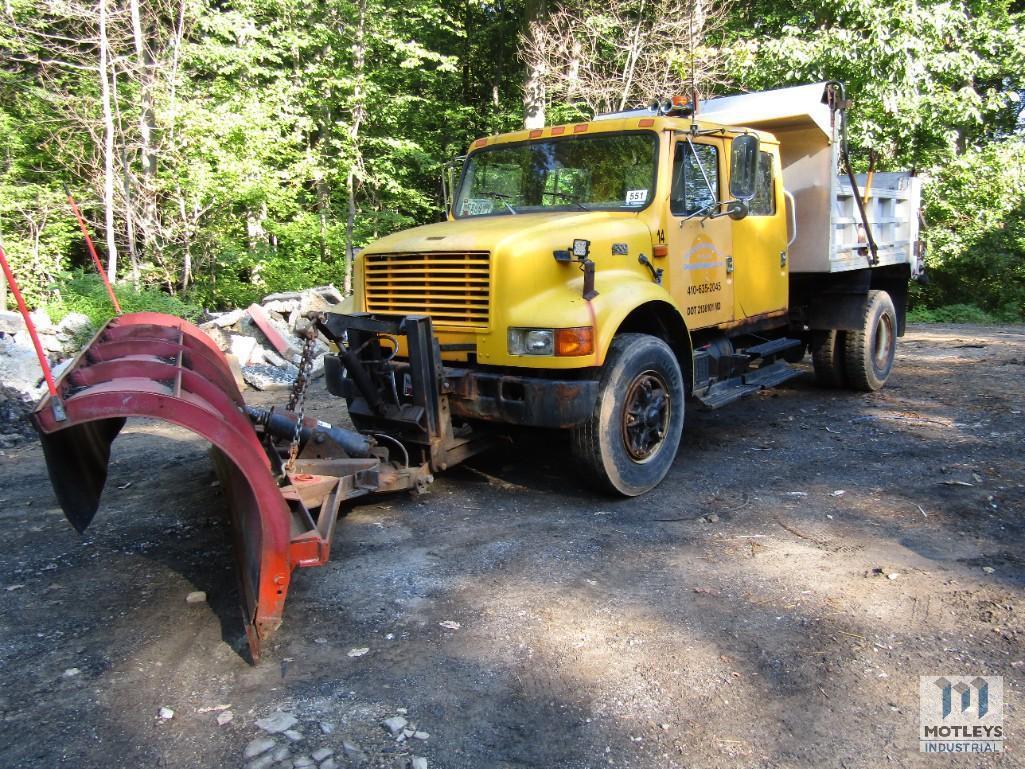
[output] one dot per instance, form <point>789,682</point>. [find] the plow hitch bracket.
<point>390,373</point>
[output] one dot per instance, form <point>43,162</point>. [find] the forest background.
<point>221,150</point>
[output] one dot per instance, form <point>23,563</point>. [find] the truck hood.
<point>491,233</point>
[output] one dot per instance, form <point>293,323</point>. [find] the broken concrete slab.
<point>219,336</point>
<point>236,371</point>
<point>11,322</point>
<point>243,348</point>
<point>329,294</point>
<point>271,357</point>
<point>282,296</point>
<point>41,320</point>
<point>223,320</point>
<point>318,298</point>
<point>282,306</point>
<point>74,324</point>
<point>19,367</point>
<point>264,377</point>
<point>52,344</point>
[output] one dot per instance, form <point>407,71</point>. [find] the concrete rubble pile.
<point>19,366</point>
<point>21,379</point>
<point>263,342</point>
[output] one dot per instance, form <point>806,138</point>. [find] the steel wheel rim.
<point>883,342</point>
<point>647,410</point>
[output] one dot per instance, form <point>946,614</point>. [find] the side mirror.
<point>743,167</point>
<point>449,180</point>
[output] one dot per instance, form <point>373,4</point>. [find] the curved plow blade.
<point>159,366</point>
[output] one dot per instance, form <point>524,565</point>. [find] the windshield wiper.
<point>566,196</point>
<point>500,197</point>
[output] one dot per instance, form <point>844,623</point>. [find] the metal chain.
<point>297,400</point>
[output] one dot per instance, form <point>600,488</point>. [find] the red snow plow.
<point>285,475</point>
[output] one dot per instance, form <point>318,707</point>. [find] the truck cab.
<point>596,276</point>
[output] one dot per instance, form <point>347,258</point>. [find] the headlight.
<point>551,341</point>
<point>531,341</point>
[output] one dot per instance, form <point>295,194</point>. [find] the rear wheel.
<point>795,354</point>
<point>630,441</point>
<point>869,353</point>
<point>827,357</point>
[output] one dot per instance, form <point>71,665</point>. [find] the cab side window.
<point>764,201</point>
<point>691,193</point>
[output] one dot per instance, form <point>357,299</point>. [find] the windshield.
<point>578,173</point>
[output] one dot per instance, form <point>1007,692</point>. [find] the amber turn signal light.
<point>660,251</point>
<point>574,341</point>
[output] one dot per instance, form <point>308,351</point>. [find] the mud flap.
<point>159,366</point>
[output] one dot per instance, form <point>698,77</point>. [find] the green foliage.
<point>936,87</point>
<point>956,313</point>
<point>35,229</point>
<point>85,293</point>
<point>257,137</point>
<point>928,78</point>
<point>975,207</point>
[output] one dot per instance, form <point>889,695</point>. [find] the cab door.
<point>700,247</point>
<point>759,245</point>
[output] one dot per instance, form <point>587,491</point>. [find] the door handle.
<point>793,217</point>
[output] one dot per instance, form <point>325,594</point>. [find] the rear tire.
<point>629,442</point>
<point>869,353</point>
<point>827,357</point>
<point>795,354</point>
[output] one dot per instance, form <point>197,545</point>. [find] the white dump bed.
<point>830,233</point>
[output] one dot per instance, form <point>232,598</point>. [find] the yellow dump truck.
<point>592,277</point>
<point>596,276</point>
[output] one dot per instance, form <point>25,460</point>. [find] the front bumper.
<point>520,400</point>
<point>479,394</point>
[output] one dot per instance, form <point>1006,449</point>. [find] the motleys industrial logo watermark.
<point>961,714</point>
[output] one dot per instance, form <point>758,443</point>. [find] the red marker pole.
<point>23,308</point>
<point>92,250</point>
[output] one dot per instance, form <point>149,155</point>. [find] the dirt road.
<point>772,604</point>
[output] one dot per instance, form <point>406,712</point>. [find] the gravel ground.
<point>772,604</point>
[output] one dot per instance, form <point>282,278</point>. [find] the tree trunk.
<point>534,85</point>
<point>323,212</point>
<point>108,148</point>
<point>133,253</point>
<point>467,31</point>
<point>126,181</point>
<point>187,237</point>
<point>631,59</point>
<point>350,219</point>
<point>359,52</point>
<point>147,126</point>
<point>176,44</point>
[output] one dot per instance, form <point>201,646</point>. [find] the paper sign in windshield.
<point>477,206</point>
<point>636,197</point>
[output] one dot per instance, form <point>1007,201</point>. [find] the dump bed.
<point>830,233</point>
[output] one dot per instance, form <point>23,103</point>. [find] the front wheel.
<point>629,442</point>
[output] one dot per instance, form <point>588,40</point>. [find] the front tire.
<point>629,442</point>
<point>869,353</point>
